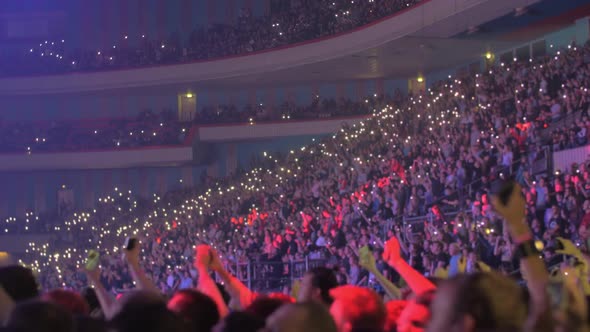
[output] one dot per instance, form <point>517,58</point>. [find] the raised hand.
<point>513,212</point>
<point>366,258</point>
<point>92,275</point>
<point>514,209</point>
<point>202,257</point>
<point>132,256</point>
<point>392,251</point>
<point>568,248</point>
<point>214,263</point>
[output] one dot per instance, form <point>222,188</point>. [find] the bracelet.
<point>527,249</point>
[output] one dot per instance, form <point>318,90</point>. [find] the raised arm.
<point>206,284</point>
<point>104,298</point>
<point>141,280</point>
<point>416,281</point>
<point>240,294</point>
<point>367,261</point>
<point>532,266</point>
<point>582,268</point>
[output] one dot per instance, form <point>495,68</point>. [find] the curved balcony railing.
<point>434,18</point>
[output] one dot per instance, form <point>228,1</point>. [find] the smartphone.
<point>130,243</point>
<point>92,260</point>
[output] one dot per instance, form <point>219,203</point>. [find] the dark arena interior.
<point>295,165</point>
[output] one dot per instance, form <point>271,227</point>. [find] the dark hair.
<point>198,310</point>
<point>40,316</point>
<point>19,282</point>
<point>264,306</point>
<point>324,279</point>
<point>242,322</point>
<point>69,300</point>
<point>474,298</point>
<point>146,312</point>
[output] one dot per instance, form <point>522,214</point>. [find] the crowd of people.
<point>146,129</point>
<point>347,203</point>
<point>300,21</point>
<point>318,108</point>
<point>160,129</point>
<point>476,299</point>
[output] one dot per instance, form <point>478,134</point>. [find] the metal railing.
<point>272,276</point>
<point>564,121</point>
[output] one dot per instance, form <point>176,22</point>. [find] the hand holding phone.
<point>130,243</point>
<point>92,260</point>
<point>131,251</point>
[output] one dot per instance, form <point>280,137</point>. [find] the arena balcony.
<point>393,46</point>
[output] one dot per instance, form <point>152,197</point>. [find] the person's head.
<point>40,316</point>
<point>239,321</point>
<point>19,282</point>
<point>316,285</point>
<point>69,300</point>
<point>308,316</point>
<point>357,308</point>
<point>436,248</point>
<point>198,310</point>
<point>480,301</point>
<point>146,312</point>
<point>264,306</point>
<point>454,249</point>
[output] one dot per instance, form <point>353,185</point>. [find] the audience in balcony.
<point>302,21</point>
